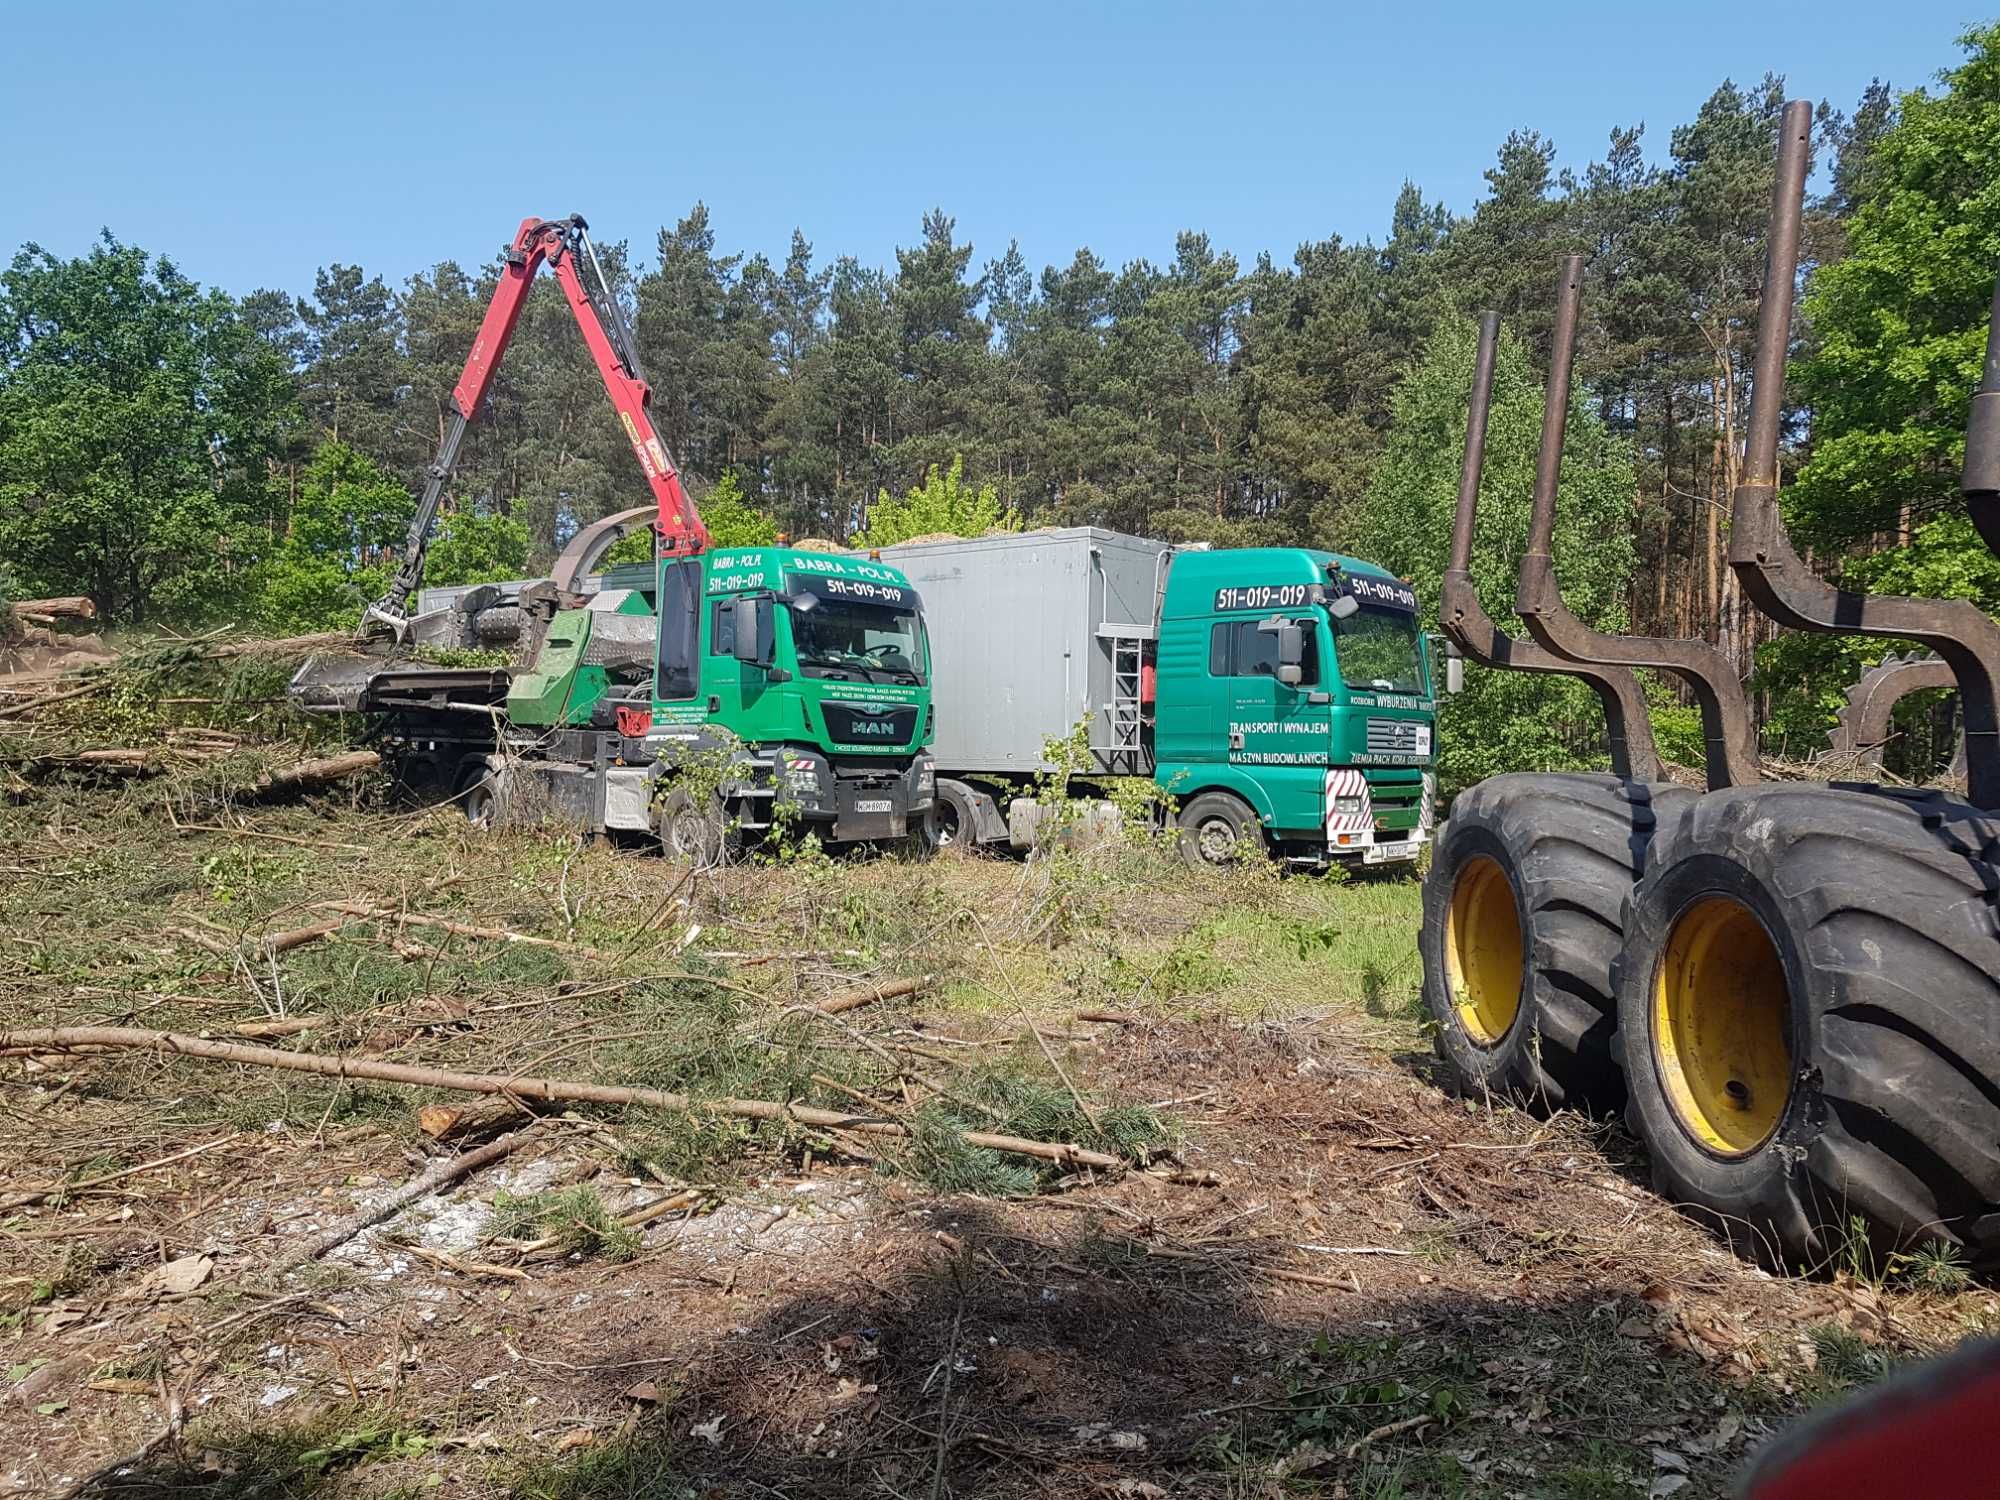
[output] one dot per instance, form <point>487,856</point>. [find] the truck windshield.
<point>1378,649</point>
<point>845,639</point>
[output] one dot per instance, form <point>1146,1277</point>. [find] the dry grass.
<point>1548,1320</point>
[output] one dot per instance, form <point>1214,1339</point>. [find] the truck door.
<point>1281,733</point>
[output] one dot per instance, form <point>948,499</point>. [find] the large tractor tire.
<point>1522,925</point>
<point>1809,1014</point>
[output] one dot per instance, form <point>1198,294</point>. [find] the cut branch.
<point>554,1090</point>
<point>368,913</point>
<point>443,1174</point>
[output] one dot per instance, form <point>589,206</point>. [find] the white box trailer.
<point>1030,633</point>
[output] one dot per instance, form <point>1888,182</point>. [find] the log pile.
<point>29,634</point>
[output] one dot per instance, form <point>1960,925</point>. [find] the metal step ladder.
<point>1125,755</point>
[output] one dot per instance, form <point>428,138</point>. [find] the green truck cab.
<point>700,699</point>
<point>1295,683</point>
<point>812,669</point>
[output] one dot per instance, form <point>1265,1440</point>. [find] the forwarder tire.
<point>1809,1013</point>
<point>1522,924</point>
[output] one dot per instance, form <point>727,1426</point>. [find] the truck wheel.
<point>485,794</point>
<point>1523,916</point>
<point>952,817</point>
<point>1216,829</point>
<point>1806,1006</point>
<point>694,829</point>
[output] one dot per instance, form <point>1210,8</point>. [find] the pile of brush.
<point>208,710</point>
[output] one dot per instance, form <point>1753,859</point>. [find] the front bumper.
<point>861,799</point>
<point>1354,822</point>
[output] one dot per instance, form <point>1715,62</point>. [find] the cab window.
<point>680,626</point>
<point>722,628</point>
<point>1237,648</point>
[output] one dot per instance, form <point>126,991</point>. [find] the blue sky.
<point>255,143</point>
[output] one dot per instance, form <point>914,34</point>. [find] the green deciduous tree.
<point>477,547</point>
<point>137,417</point>
<point>335,557</point>
<point>1899,326</point>
<point>1898,333</point>
<point>943,504</point>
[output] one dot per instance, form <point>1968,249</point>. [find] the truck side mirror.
<point>1291,649</point>
<point>1343,607</point>
<point>754,621</point>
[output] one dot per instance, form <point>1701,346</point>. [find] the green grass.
<point>280,1458</point>
<point>576,1218</point>
<point>640,1466</point>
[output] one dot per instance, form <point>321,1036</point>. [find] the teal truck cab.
<point>1294,685</point>
<point>1281,698</point>
<point>812,671</point>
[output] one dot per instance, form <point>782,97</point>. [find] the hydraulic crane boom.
<point>565,245</point>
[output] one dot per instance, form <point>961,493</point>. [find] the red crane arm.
<point>565,244</point>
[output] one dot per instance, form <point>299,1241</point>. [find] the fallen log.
<point>868,994</point>
<point>70,607</point>
<point>264,1030</point>
<point>310,775</point>
<point>368,913</point>
<point>453,1122</point>
<point>114,762</point>
<point>554,1090</point>
<point>298,937</point>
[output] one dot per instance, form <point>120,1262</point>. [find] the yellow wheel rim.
<point>1482,951</point>
<point>1721,1027</point>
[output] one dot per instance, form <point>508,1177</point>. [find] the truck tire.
<point>695,829</point>
<point>1522,925</point>
<point>1809,1011</point>
<point>955,820</point>
<point>922,841</point>
<point>485,792</point>
<point>1216,828</point>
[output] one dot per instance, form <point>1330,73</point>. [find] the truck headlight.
<point>802,776</point>
<point>926,774</point>
<point>1349,805</point>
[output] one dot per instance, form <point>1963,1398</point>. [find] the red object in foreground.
<point>1933,1431</point>
<point>634,722</point>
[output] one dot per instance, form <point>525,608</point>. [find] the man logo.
<point>880,729</point>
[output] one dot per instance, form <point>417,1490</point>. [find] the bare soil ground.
<point>1318,1275</point>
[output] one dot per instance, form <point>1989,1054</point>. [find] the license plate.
<point>1382,854</point>
<point>875,805</point>
<point>1423,739</point>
